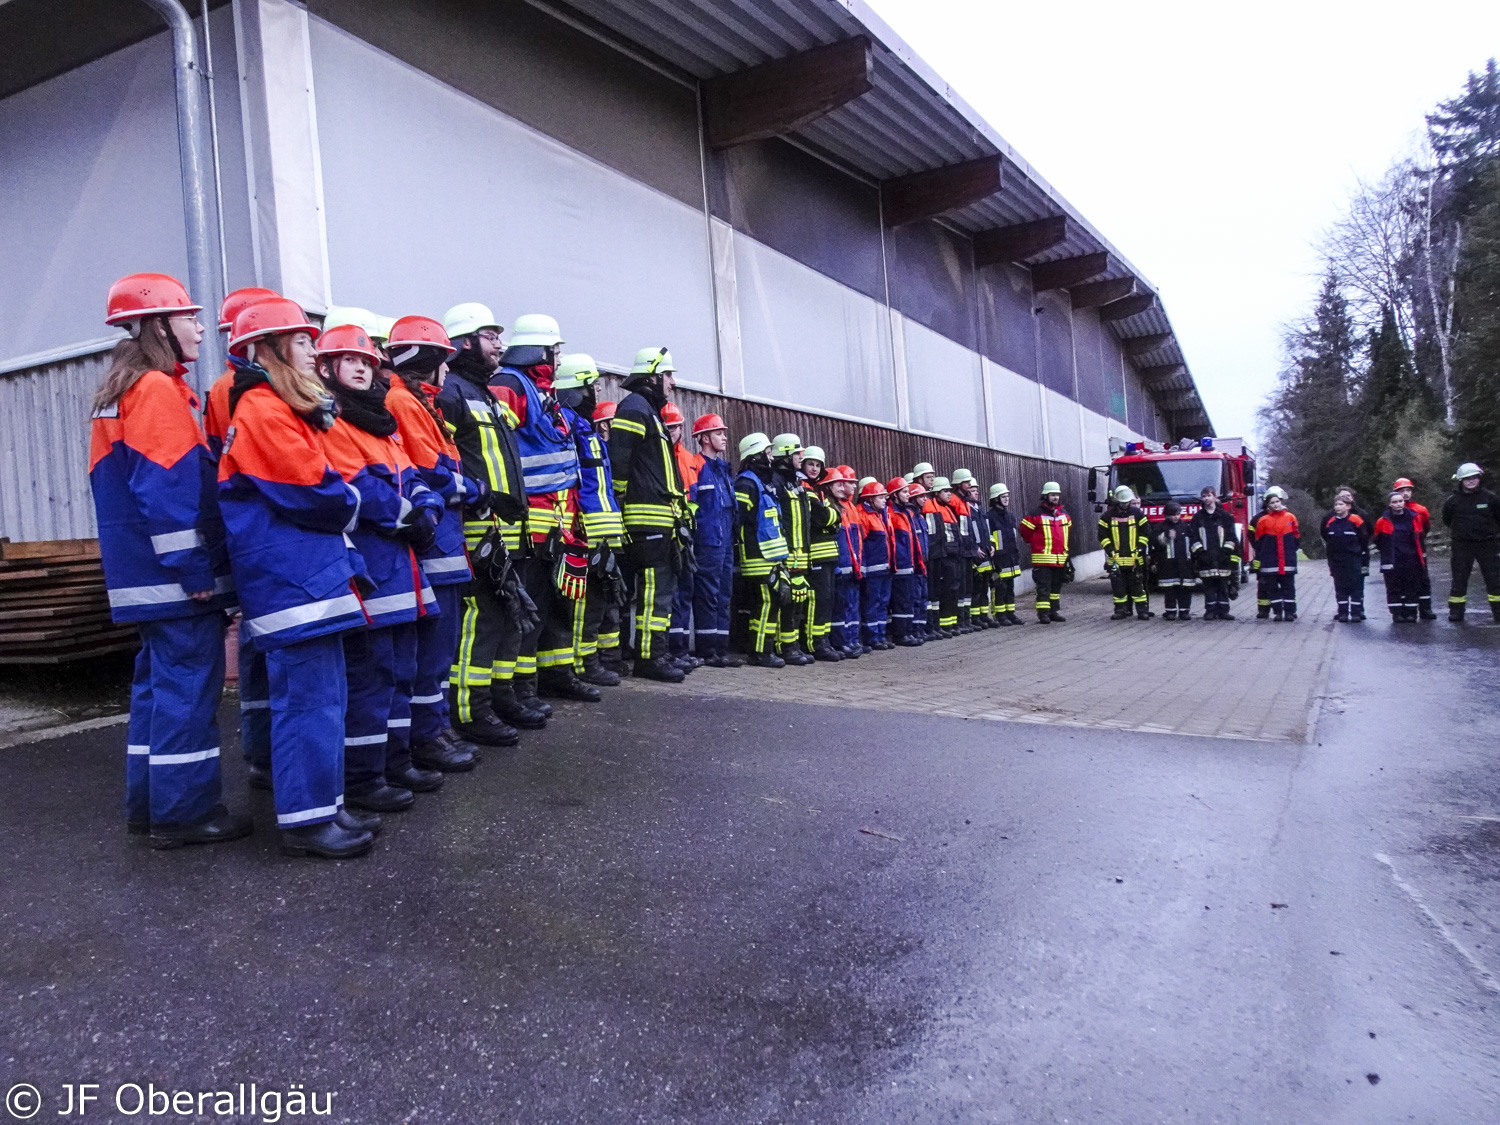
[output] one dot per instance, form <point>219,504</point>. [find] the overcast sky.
<point>1212,143</point>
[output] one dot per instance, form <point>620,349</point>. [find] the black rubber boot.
<point>508,706</point>
<point>561,683</point>
<point>1143,611</point>
<point>444,754</point>
<point>526,693</point>
<point>415,778</point>
<point>353,821</point>
<point>489,730</point>
<point>218,827</point>
<point>766,660</point>
<point>660,668</point>
<point>380,798</point>
<point>595,673</point>
<point>824,651</point>
<point>329,840</point>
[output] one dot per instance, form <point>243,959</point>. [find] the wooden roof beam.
<point>1125,307</point>
<point>936,191</point>
<point>1066,272</point>
<point>1019,242</point>
<point>1137,346</point>
<point>1095,293</point>
<point>784,94</point>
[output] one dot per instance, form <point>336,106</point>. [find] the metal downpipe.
<point>197,180</point>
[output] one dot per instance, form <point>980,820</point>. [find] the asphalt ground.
<point>699,908</point>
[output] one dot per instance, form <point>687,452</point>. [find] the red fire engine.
<point>1157,473</point>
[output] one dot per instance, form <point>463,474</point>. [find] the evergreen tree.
<point>1465,131</point>
<point>1391,398</point>
<point>1311,421</point>
<point>1477,359</point>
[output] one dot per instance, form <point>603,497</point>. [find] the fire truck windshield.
<point>1170,478</point>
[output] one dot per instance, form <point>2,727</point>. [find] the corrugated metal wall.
<point>877,451</point>
<point>44,450</point>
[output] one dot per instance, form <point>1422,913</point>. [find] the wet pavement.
<point>740,910</point>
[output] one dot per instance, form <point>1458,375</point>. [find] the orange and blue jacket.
<point>1275,539</point>
<point>435,458</point>
<point>906,551</point>
<point>875,535</point>
<point>850,538</point>
<point>1046,532</point>
<point>380,471</point>
<point>1398,538</point>
<point>285,512</point>
<point>161,537</point>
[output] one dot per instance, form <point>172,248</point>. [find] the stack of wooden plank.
<point>53,607</point>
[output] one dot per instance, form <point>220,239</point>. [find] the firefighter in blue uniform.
<point>712,499</point>
<point>557,564</point>
<point>286,514</point>
<point>1399,533</point>
<point>762,579</point>
<point>1346,542</point>
<point>875,585</point>
<point>161,541</point>
<point>576,391</point>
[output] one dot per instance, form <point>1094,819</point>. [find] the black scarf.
<point>248,374</point>
<point>472,366</point>
<point>365,410</point>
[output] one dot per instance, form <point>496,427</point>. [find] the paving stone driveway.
<point>1244,679</point>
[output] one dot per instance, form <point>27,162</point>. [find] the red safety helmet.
<point>896,484</point>
<point>145,294</point>
<point>707,423</point>
<point>240,300</point>
<point>671,416</point>
<point>915,489</point>
<point>872,490</point>
<point>605,411</point>
<point>270,317</point>
<point>1403,482</point>
<point>348,338</point>
<point>419,332</point>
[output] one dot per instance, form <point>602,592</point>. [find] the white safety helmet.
<point>1468,469</point>
<point>1123,494</point>
<point>999,490</point>
<point>922,469</point>
<point>468,318</point>
<point>784,445</point>
<point>575,370</point>
<point>537,329</point>
<point>1277,491</point>
<point>341,315</point>
<point>751,444</point>
<point>652,361</point>
<point>1050,487</point>
<point>815,453</point>
<point>962,476</point>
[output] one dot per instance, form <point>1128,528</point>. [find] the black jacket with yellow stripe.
<point>646,481</point>
<point>487,450</point>
<point>1123,535</point>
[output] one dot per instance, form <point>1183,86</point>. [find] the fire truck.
<point>1157,473</point>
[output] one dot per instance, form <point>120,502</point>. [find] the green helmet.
<point>341,315</point>
<point>940,483</point>
<point>922,469</point>
<point>1050,487</point>
<point>963,476</point>
<point>575,370</point>
<point>468,318</point>
<point>751,444</point>
<point>1468,469</point>
<point>652,361</point>
<point>784,445</point>
<point>536,329</point>
<point>815,453</point>
<point>999,490</point>
<point>1122,495</point>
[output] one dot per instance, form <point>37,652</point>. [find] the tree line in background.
<point>1397,370</point>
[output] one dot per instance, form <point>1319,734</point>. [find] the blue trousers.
<point>903,605</point>
<point>845,610</point>
<point>380,666</point>
<point>172,756</point>
<point>680,631</point>
<point>712,587</point>
<point>308,696</point>
<point>437,641</point>
<point>874,607</point>
<point>255,704</point>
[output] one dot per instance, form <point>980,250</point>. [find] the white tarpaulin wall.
<point>434,198</point>
<point>943,385</point>
<point>1017,411</point>
<point>809,341</point>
